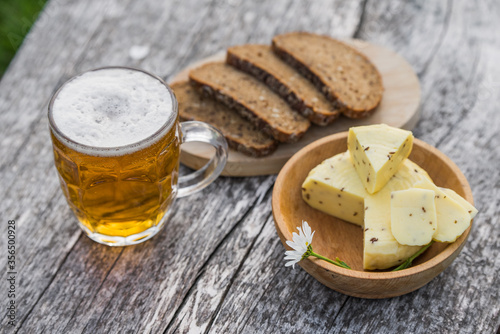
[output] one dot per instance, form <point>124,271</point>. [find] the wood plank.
<point>30,191</point>
<point>113,57</point>
<point>259,21</point>
<point>106,284</point>
<point>459,117</point>
<point>277,299</point>
<point>200,305</point>
<point>409,28</point>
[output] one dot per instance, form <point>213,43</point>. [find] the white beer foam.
<point>112,108</point>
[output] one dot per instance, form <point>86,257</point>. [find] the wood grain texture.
<point>218,267</point>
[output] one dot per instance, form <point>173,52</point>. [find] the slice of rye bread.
<point>252,99</point>
<point>240,134</point>
<point>260,61</point>
<point>343,74</point>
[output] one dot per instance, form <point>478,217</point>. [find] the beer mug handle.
<point>202,132</point>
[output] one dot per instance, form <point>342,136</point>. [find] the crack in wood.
<point>188,57</point>
<point>268,289</point>
<point>237,271</point>
<point>96,293</point>
<point>289,8</point>
<point>56,196</point>
<point>347,298</point>
<point>357,31</point>
<point>48,285</point>
<point>446,25</point>
<point>22,146</point>
<point>256,304</point>
<point>292,293</point>
<point>209,258</point>
<point>465,110</point>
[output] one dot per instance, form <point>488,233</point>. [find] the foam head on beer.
<point>112,108</point>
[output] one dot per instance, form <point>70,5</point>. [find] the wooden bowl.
<point>337,238</point>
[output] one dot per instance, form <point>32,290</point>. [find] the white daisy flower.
<point>301,245</point>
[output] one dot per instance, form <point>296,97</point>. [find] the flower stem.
<point>408,262</point>
<point>336,262</point>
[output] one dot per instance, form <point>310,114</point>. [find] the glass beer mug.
<point>116,138</point>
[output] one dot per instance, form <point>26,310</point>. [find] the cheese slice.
<point>334,187</point>
<point>453,219</point>
<point>378,152</point>
<point>460,200</point>
<point>413,216</point>
<point>381,249</point>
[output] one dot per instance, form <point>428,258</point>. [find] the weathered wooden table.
<point>218,264</point>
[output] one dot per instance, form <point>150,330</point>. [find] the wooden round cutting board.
<point>400,107</point>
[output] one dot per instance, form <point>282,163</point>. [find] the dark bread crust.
<point>305,71</point>
<point>209,89</point>
<point>348,110</point>
<point>250,151</point>
<point>229,102</point>
<point>193,107</point>
<point>283,90</point>
<point>243,148</point>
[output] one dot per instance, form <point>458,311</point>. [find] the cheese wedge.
<point>378,152</point>
<point>413,216</point>
<point>334,187</point>
<point>453,219</point>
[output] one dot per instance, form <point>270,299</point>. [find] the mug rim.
<point>83,148</point>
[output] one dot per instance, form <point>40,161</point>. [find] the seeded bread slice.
<point>240,134</point>
<point>252,99</point>
<point>343,74</point>
<point>261,62</point>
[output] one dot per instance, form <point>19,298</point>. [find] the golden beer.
<point>120,195</point>
<point>116,137</point>
<point>117,170</point>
